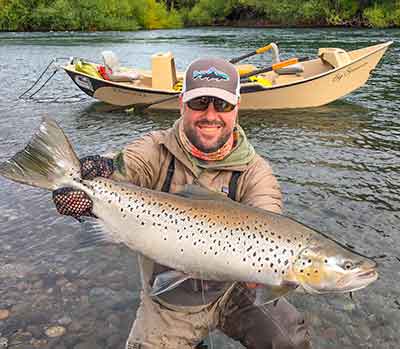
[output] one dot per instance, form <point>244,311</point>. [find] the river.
<point>338,165</point>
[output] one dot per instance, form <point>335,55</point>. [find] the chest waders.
<point>231,194</point>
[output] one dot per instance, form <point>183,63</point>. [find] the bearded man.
<point>206,147</point>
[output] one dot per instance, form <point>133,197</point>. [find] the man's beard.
<point>190,132</point>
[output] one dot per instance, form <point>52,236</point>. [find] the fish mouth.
<point>357,281</point>
<point>348,283</point>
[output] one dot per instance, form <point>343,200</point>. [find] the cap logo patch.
<point>210,74</point>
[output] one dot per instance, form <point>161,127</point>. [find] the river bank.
<point>129,15</point>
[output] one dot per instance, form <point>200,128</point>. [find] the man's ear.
<point>237,112</point>
<point>181,104</point>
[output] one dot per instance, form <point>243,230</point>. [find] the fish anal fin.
<point>167,281</point>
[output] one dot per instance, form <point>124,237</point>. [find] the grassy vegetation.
<point>91,15</point>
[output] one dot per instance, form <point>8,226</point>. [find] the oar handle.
<point>247,55</point>
<point>276,66</point>
<point>264,49</point>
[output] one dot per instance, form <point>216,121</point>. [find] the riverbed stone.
<point>115,341</point>
<point>65,320</point>
<point>36,330</point>
<point>87,344</point>
<point>3,342</point>
<point>55,331</point>
<point>4,314</point>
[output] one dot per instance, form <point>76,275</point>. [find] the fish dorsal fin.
<point>167,281</point>
<point>197,192</point>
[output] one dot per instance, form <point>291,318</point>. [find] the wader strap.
<point>168,179</point>
<point>233,185</point>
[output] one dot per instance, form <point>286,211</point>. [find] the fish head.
<point>325,266</point>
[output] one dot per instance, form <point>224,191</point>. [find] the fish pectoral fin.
<point>167,281</point>
<point>92,233</point>
<point>197,192</point>
<point>268,294</point>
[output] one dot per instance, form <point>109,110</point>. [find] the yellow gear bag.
<point>87,68</point>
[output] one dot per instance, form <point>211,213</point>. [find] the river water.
<point>338,165</point>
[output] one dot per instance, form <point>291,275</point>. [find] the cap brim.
<point>210,91</point>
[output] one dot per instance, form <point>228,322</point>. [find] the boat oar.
<point>273,67</point>
<point>243,78</point>
<point>247,55</point>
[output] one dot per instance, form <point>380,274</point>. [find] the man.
<point>206,147</point>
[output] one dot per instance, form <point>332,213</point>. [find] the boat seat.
<point>336,57</point>
<point>163,71</point>
<point>114,71</point>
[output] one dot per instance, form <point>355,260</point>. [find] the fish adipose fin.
<point>48,161</point>
<point>167,281</point>
<point>93,233</point>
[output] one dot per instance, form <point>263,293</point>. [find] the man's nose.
<point>211,112</point>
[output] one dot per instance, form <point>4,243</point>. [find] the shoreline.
<point>217,25</point>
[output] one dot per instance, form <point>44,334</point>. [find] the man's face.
<point>208,130</point>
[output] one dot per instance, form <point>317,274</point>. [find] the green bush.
<point>15,15</point>
<point>207,12</point>
<point>376,17</point>
<point>157,16</point>
<point>313,12</point>
<point>395,18</point>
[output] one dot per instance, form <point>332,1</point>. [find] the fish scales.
<point>204,237</point>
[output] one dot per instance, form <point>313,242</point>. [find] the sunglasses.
<point>202,103</point>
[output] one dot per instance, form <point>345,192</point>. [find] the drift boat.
<point>312,83</point>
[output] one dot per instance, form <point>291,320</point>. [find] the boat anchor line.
<point>57,67</point>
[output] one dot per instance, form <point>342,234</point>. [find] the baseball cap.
<point>211,77</point>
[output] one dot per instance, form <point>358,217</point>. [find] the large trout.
<point>199,235</point>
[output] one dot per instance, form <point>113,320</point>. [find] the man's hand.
<point>76,203</point>
<point>96,166</point>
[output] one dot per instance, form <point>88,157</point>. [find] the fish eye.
<point>348,265</point>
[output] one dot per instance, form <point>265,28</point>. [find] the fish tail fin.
<point>48,161</point>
